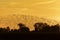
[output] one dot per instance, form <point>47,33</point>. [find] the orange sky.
<point>41,8</point>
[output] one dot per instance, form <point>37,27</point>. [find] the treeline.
<point>39,27</point>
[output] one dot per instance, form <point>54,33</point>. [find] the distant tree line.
<point>39,27</point>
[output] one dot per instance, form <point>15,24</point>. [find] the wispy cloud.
<point>14,3</point>
<point>46,2</point>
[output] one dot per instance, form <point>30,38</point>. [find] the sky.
<point>40,8</point>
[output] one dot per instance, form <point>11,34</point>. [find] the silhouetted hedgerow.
<point>39,27</point>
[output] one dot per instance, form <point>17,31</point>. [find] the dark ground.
<point>30,36</point>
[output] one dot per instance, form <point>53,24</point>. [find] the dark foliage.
<point>39,27</point>
<point>23,28</point>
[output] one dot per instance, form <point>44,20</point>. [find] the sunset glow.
<point>40,8</point>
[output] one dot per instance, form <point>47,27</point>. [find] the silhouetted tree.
<point>55,28</point>
<point>11,30</point>
<point>38,27</point>
<point>4,30</point>
<point>8,29</point>
<point>46,29</point>
<point>23,28</point>
<point>15,30</point>
<point>1,29</point>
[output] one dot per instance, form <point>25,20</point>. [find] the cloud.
<point>14,3</point>
<point>24,9</point>
<point>47,2</point>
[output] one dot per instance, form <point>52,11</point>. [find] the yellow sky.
<point>41,8</point>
